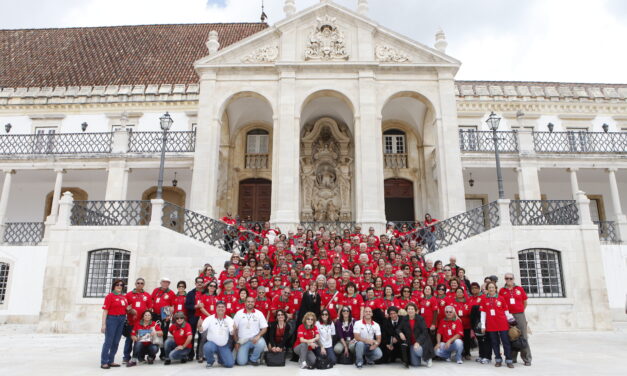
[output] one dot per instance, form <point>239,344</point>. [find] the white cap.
<point>165,279</point>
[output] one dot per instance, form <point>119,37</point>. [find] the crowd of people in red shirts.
<point>373,299</point>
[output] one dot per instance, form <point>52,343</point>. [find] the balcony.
<point>256,161</point>
<point>580,142</point>
<point>481,141</point>
<point>395,161</point>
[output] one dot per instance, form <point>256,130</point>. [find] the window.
<point>103,267</point>
<point>44,139</point>
<point>394,142</point>
<point>257,142</point>
<point>129,127</point>
<point>541,273</point>
<point>468,137</point>
<point>4,280</point>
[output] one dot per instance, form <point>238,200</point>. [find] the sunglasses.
<point>180,319</point>
<point>119,284</point>
<point>141,283</point>
<point>325,314</point>
<point>180,287</point>
<point>509,279</point>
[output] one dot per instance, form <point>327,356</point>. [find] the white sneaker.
<point>429,363</point>
<point>303,365</point>
<point>447,360</point>
<point>460,362</point>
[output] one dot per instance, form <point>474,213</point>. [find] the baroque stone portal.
<point>326,172</point>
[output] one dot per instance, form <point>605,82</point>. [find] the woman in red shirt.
<point>307,341</point>
<point>429,310</point>
<point>143,333</point>
<point>353,300</point>
<point>113,318</point>
<point>404,298</point>
<point>494,321</point>
<point>387,298</point>
<point>462,309</point>
<point>378,287</point>
<point>179,299</point>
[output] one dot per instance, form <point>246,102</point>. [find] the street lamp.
<point>166,122</point>
<point>493,122</point>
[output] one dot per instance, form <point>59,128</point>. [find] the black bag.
<point>323,362</point>
<point>343,359</point>
<point>275,359</point>
<point>520,344</point>
<point>126,331</point>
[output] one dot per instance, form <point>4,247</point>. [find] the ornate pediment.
<point>326,42</point>
<point>267,54</point>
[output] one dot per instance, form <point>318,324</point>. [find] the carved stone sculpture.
<point>326,42</point>
<point>267,54</point>
<point>388,54</point>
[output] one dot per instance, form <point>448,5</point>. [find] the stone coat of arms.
<point>326,42</point>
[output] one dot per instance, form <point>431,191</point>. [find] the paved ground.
<point>23,352</point>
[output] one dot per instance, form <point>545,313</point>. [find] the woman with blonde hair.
<point>307,337</point>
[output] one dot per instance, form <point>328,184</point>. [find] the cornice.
<point>559,107</point>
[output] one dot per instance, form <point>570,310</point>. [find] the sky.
<point>512,40</point>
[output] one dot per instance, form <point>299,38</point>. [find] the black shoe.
<point>162,357</point>
<point>151,360</point>
<point>254,363</point>
<point>167,362</point>
<point>183,360</point>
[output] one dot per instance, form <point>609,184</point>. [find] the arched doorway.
<point>77,194</point>
<point>399,200</point>
<point>255,199</point>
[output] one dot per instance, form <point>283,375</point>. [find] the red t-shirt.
<point>137,327</point>
<point>355,303</point>
<point>115,304</point>
<point>180,334</point>
<point>161,298</point>
<point>375,303</point>
<point>463,311</point>
<point>305,333</point>
<point>449,328</point>
<point>209,303</point>
<point>278,303</point>
<point>325,302</point>
<point>494,308</point>
<point>140,302</point>
<point>263,305</point>
<point>229,300</point>
<point>427,310</point>
<point>179,304</point>
<point>515,298</point>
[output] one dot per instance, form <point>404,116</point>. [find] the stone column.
<point>583,205</point>
<point>156,213</point>
<point>117,181</point>
<point>369,194</point>
<point>574,185</point>
<point>450,177</point>
<point>618,211</point>
<point>528,182</point>
<point>56,195</point>
<point>285,211</point>
<point>505,219</point>
<point>204,195</point>
<point>4,200</point>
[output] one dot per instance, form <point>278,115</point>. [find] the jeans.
<point>305,354</point>
<point>339,347</point>
<point>244,352</point>
<point>113,333</point>
<point>330,354</point>
<point>171,353</point>
<point>457,347</point>
<point>225,355</point>
<point>362,350</point>
<point>525,353</point>
<point>496,338</point>
<point>415,356</point>
<point>142,349</point>
<point>128,346</point>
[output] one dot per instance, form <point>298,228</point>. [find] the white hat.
<point>307,266</point>
<point>165,279</point>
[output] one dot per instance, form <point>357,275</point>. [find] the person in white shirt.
<point>326,329</point>
<point>218,329</point>
<point>368,337</point>
<point>250,326</point>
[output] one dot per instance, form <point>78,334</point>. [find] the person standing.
<point>163,307</point>
<point>250,327</point>
<point>368,337</point>
<point>516,299</point>
<point>218,329</point>
<point>494,320</point>
<point>193,305</point>
<point>114,312</point>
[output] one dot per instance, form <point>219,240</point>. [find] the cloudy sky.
<point>529,40</point>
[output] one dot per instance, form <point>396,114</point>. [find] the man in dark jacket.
<point>190,307</point>
<point>414,333</point>
<point>390,340</point>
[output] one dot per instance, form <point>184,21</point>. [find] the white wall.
<point>615,265</point>
<point>26,279</point>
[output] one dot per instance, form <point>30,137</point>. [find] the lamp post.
<point>493,122</point>
<point>166,122</point>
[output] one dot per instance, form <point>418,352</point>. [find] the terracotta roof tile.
<point>101,56</point>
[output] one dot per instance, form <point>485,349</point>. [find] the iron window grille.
<point>4,280</point>
<point>103,267</point>
<point>541,273</point>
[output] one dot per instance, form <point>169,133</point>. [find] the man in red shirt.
<point>163,307</point>
<point>449,337</point>
<point>140,302</point>
<point>282,301</point>
<point>180,345</point>
<point>516,299</point>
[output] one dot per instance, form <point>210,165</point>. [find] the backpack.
<point>323,362</point>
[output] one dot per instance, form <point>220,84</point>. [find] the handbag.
<point>323,362</point>
<point>343,359</point>
<point>275,359</point>
<point>520,344</point>
<point>126,331</point>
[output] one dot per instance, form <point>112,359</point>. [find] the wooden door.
<point>399,200</point>
<point>255,199</point>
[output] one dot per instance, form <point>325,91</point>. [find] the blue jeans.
<point>244,355</point>
<point>113,333</point>
<point>225,355</point>
<point>362,350</point>
<point>456,347</point>
<point>142,349</point>
<point>128,346</point>
<point>496,338</point>
<point>330,354</point>
<point>171,353</point>
<point>415,356</point>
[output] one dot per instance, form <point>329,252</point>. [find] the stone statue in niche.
<point>308,180</point>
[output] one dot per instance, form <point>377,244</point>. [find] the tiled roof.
<point>540,90</point>
<point>120,55</point>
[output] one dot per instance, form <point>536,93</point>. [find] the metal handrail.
<point>56,143</point>
<point>543,212</point>
<point>151,142</point>
<point>481,141</point>
<point>23,233</point>
<point>111,213</point>
<point>580,142</point>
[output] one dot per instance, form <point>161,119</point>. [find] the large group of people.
<point>320,299</point>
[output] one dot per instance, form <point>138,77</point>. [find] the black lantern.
<point>7,127</point>
<point>493,121</point>
<point>174,181</point>
<point>471,181</point>
<point>84,126</point>
<point>605,127</point>
<point>166,121</point>
<point>550,126</point>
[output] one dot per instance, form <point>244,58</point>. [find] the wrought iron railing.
<point>543,212</point>
<point>55,143</point>
<point>481,141</point>
<point>607,231</point>
<point>110,213</point>
<point>256,161</point>
<point>150,142</point>
<point>398,225</point>
<point>23,233</point>
<point>460,227</point>
<point>337,227</point>
<point>395,161</point>
<point>199,227</point>
<point>580,142</point>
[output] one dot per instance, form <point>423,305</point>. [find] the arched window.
<point>394,142</point>
<point>541,273</point>
<point>103,267</point>
<point>257,142</point>
<point>4,280</point>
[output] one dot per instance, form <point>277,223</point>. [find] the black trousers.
<point>193,321</point>
<point>485,346</point>
<point>467,342</point>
